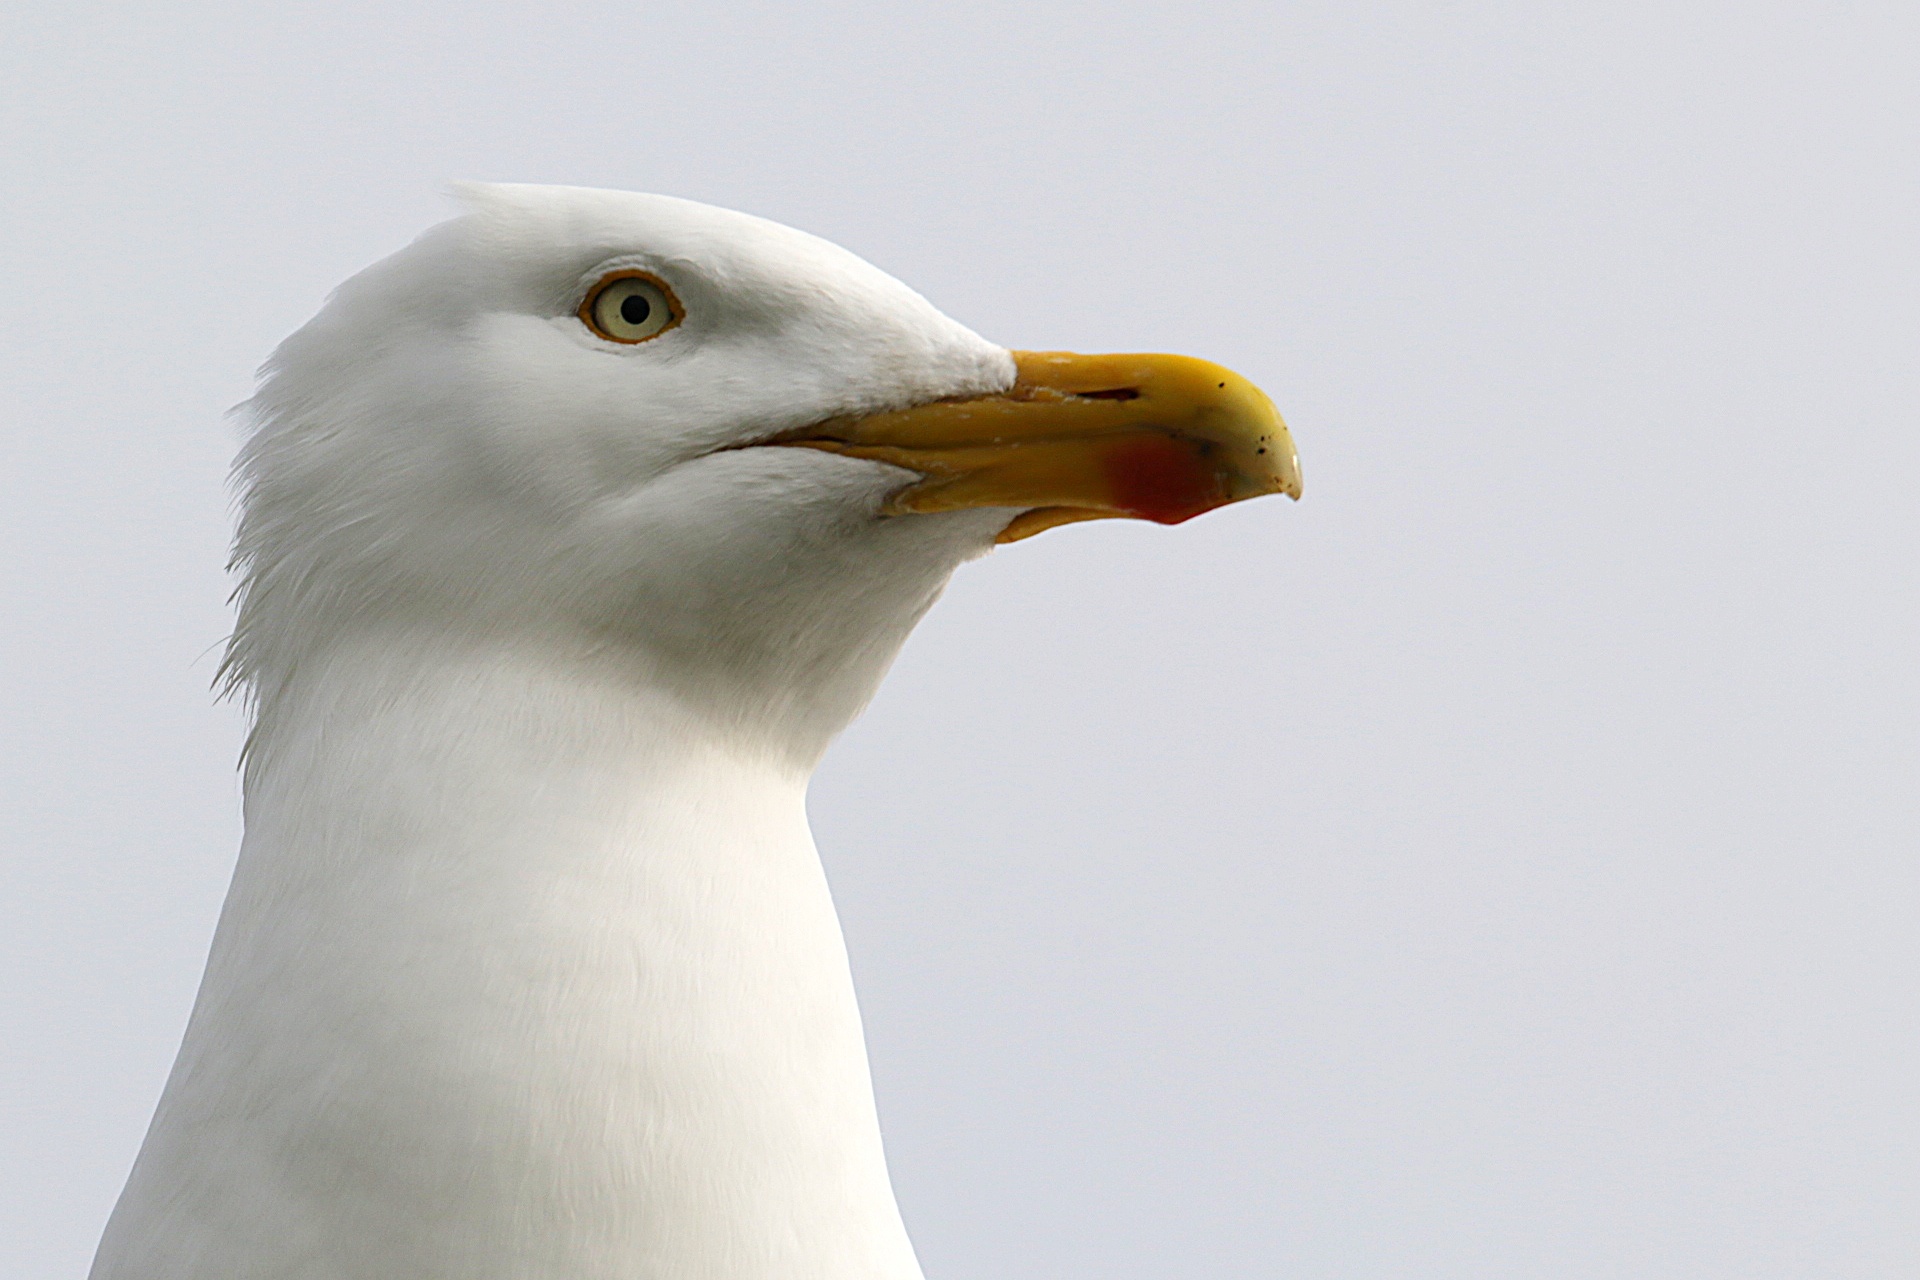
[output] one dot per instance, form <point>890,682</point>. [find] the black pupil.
<point>635,309</point>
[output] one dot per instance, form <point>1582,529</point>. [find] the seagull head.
<point>729,456</point>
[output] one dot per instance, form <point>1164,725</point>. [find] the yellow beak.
<point>1151,437</point>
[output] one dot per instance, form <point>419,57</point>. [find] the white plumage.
<point>529,968</point>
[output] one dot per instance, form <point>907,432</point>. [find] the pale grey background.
<point>1501,864</point>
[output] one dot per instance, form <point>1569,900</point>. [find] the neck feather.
<point>527,971</point>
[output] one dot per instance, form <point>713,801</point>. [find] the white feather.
<point>529,968</point>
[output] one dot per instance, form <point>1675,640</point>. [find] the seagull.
<point>570,536</point>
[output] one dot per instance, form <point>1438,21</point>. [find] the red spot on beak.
<point>1162,479</point>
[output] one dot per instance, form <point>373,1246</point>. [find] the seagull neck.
<point>515,943</point>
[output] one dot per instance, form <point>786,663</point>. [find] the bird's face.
<point>738,451</point>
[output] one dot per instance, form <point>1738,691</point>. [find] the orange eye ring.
<point>631,307</point>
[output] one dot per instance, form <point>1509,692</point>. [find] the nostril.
<point>1117,393</point>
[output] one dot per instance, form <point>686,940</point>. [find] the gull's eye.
<point>631,306</point>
